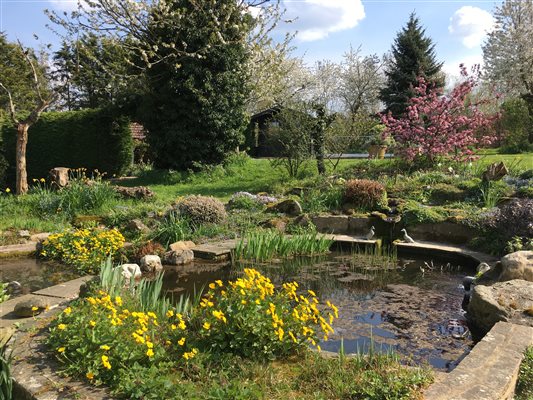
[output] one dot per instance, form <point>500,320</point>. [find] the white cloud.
<point>316,19</point>
<point>64,5</point>
<point>471,24</point>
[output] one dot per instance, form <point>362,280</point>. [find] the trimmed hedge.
<point>94,139</point>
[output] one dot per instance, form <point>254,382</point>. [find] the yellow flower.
<point>89,375</point>
<point>61,350</point>
<point>92,323</point>
<point>61,327</point>
<point>170,313</point>
<point>8,190</point>
<point>34,308</point>
<point>67,310</point>
<point>118,301</point>
<point>206,326</point>
<point>105,347</point>
<point>212,286</point>
<point>150,353</point>
<point>42,180</point>
<point>105,362</point>
<point>181,342</point>
<point>219,282</point>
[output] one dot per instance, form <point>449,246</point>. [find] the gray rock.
<point>151,263</point>
<point>39,237</point>
<point>26,308</point>
<point>510,301</point>
<point>14,287</point>
<point>136,225</point>
<point>517,265</point>
<point>182,245</point>
<point>136,192</point>
<point>131,271</point>
<point>179,257</point>
<point>24,234</point>
<point>290,207</point>
<point>59,176</point>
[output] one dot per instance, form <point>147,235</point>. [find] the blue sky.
<point>326,28</point>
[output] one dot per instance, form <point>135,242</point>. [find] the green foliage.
<point>492,192</point>
<point>524,387</point>
<point>202,209</point>
<point>6,381</point>
<point>413,54</point>
<point>244,203</point>
<point>292,138</point>
<point>84,249</point>
<point>3,292</point>
<point>250,317</point>
<point>319,199</point>
<point>195,109</point>
<point>416,213</point>
<point>93,139</point>
<point>81,196</point>
<point>516,124</point>
<point>268,244</point>
<point>365,194</point>
<point>518,243</point>
<point>172,228</point>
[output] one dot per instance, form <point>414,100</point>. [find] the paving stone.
<point>435,248</point>
<point>490,371</point>
<point>68,290</point>
<point>17,250</point>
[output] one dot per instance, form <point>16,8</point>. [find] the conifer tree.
<point>413,56</point>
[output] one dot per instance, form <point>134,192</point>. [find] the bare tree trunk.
<point>22,143</point>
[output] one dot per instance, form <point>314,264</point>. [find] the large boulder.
<point>30,307</point>
<point>131,271</point>
<point>151,263</point>
<point>178,257</point>
<point>517,265</point>
<point>510,301</point>
<point>289,207</point>
<point>182,245</point>
<point>136,225</point>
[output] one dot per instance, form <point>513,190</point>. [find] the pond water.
<point>34,274</point>
<point>409,305</point>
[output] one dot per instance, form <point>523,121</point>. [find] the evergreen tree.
<point>413,55</point>
<point>195,111</point>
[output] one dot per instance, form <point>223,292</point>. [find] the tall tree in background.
<point>508,52</point>
<point>26,93</point>
<point>195,111</point>
<point>413,56</point>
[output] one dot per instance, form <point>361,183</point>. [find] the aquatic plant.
<point>265,245</point>
<point>85,249</point>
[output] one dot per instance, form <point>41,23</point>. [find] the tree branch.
<point>12,111</point>
<point>36,83</point>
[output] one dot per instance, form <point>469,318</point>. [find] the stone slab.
<point>215,251</point>
<point>490,371</point>
<point>7,318</point>
<point>423,247</point>
<point>68,290</point>
<point>18,250</point>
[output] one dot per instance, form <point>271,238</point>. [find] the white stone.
<point>151,263</point>
<point>131,271</point>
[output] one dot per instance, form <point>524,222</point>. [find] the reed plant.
<point>266,245</point>
<point>6,381</point>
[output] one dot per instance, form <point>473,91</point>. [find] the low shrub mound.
<point>202,209</point>
<point>83,248</point>
<point>365,194</point>
<point>514,218</point>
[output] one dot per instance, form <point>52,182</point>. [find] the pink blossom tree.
<point>442,126</point>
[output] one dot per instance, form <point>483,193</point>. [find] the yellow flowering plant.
<point>97,336</point>
<point>251,318</point>
<point>84,249</point>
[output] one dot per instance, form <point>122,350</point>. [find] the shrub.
<point>95,139</point>
<point>172,229</point>
<point>244,201</point>
<point>365,193</point>
<point>147,249</point>
<point>251,318</point>
<point>82,195</point>
<point>515,124</point>
<point>202,209</point>
<point>514,218</point>
<point>416,213</point>
<point>84,249</point>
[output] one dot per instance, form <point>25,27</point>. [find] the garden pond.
<point>408,305</point>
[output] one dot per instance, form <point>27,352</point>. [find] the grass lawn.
<point>258,175</point>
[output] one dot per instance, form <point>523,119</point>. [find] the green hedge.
<point>94,139</point>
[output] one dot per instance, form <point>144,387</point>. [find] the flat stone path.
<point>490,370</point>
<point>436,248</point>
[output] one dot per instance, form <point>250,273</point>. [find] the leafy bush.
<point>82,195</point>
<point>148,248</point>
<point>416,213</point>
<point>365,194</point>
<point>251,318</point>
<point>202,209</point>
<point>515,124</point>
<point>244,201</point>
<point>84,249</point>
<point>95,139</point>
<point>172,228</point>
<point>514,218</point>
